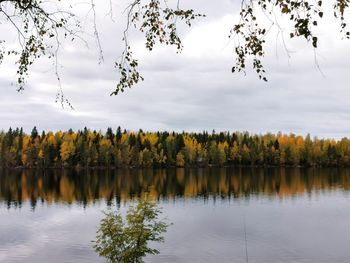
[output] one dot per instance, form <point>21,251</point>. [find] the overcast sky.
<point>193,91</point>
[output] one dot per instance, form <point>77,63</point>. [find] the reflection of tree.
<point>85,187</point>
<point>127,241</point>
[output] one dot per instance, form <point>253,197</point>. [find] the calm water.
<point>291,215</point>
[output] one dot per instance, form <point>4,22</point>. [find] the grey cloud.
<point>181,92</point>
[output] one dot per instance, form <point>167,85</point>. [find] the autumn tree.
<point>105,151</point>
<point>180,160</point>
<point>67,150</point>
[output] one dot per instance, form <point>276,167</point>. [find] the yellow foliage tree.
<point>67,147</point>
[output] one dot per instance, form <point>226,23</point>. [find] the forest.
<point>121,148</point>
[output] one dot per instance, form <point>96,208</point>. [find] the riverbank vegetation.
<point>87,148</point>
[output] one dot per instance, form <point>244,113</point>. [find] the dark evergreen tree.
<point>34,134</point>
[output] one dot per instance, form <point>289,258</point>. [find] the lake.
<point>276,215</point>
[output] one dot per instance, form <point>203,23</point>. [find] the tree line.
<point>122,148</point>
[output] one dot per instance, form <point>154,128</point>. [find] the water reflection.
<point>85,187</point>
<point>314,227</point>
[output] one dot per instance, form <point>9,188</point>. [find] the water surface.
<point>291,215</point>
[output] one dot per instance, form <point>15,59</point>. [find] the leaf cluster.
<point>39,25</point>
<point>158,22</point>
<point>304,15</point>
